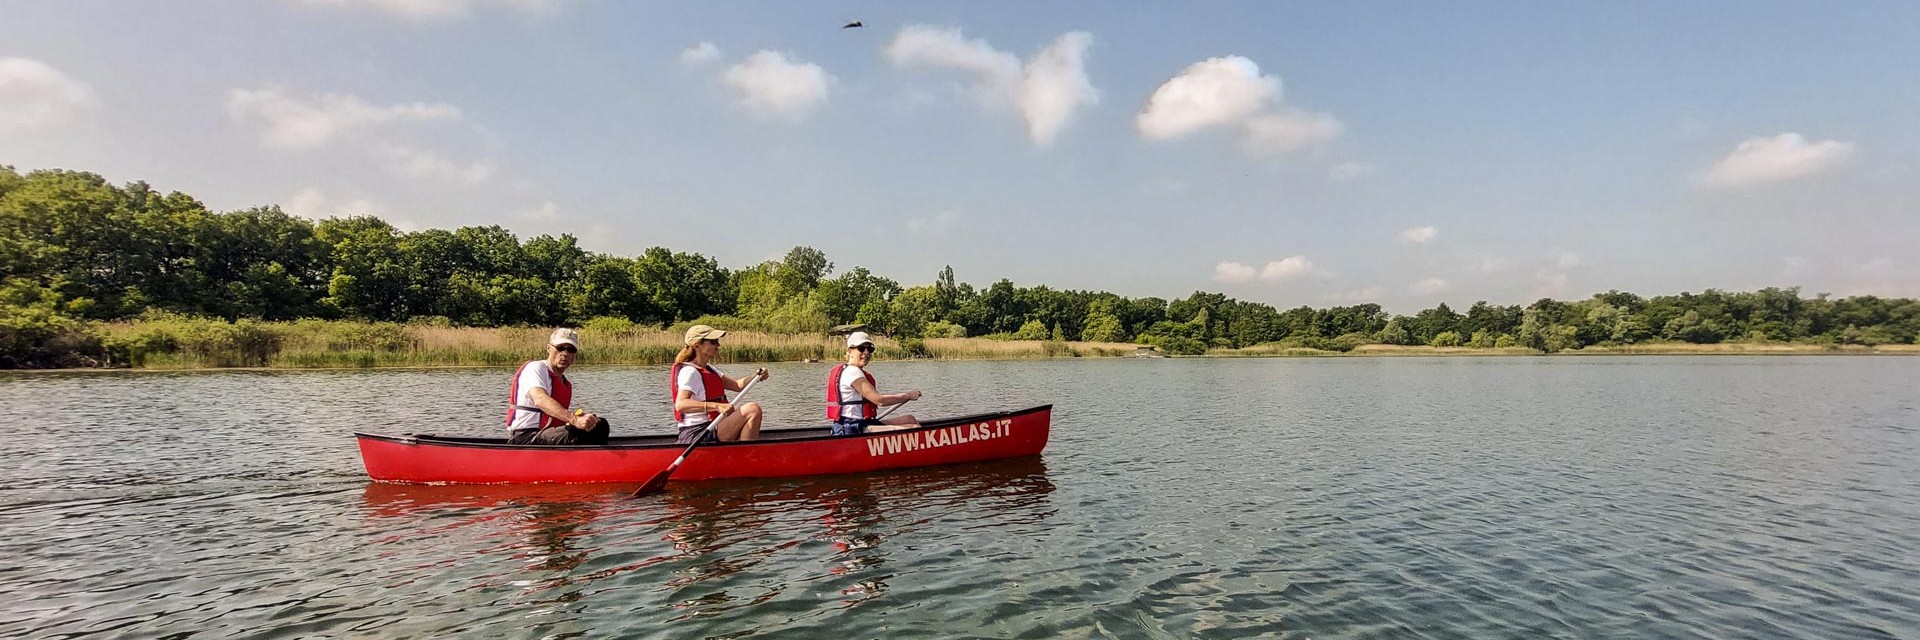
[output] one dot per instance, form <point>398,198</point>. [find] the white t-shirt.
<point>689,380</point>
<point>536,374</point>
<point>848,374</point>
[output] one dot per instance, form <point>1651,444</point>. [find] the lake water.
<point>1573,497</point>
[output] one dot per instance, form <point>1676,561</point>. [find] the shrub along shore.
<point>179,342</point>
<point>98,275</point>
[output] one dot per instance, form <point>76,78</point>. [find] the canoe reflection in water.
<point>729,527</point>
<point>698,544</point>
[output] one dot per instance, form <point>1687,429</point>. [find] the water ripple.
<point>1344,498</point>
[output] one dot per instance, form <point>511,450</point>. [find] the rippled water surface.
<point>1325,498</point>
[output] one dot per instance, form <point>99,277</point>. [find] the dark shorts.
<point>852,426</point>
<point>687,434</point>
<point>562,434</point>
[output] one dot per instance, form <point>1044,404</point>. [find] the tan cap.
<point>562,336</point>
<point>858,338</point>
<point>700,332</point>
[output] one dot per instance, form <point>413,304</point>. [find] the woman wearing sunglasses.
<point>852,397</point>
<point>700,393</point>
<point>539,397</point>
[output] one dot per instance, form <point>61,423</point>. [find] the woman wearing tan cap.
<point>700,393</point>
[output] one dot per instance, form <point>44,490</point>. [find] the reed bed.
<point>178,342</point>
<point>1422,350</point>
<point>984,349</point>
<point>1747,348</point>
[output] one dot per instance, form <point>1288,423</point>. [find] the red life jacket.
<point>834,403</point>
<point>562,392</point>
<point>716,390</point>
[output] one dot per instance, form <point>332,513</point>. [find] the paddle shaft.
<point>660,480</point>
<point>883,415</point>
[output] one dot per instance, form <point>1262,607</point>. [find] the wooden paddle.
<point>659,480</point>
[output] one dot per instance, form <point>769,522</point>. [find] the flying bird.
<point>852,25</point>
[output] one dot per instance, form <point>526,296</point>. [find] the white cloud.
<point>771,86</point>
<point>424,164</point>
<point>1055,85</point>
<point>703,52</point>
<point>1283,269</point>
<point>1782,157</point>
<point>33,94</point>
<point>1234,272</point>
<point>294,123</point>
<point>1212,92</point>
<point>1230,92</point>
<point>933,224</point>
<point>1428,286</point>
<point>438,9</point>
<point>1417,235</point>
<point>1566,260</point>
<point>1350,170</point>
<point>1356,296</point>
<point>1047,90</point>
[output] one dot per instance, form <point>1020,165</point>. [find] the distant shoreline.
<point>960,349</point>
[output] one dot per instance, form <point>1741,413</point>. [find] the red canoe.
<point>779,453</point>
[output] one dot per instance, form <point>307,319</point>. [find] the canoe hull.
<point>781,453</point>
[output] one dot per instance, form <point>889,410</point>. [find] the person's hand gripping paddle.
<point>659,480</point>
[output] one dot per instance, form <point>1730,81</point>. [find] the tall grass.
<point>1743,348</point>
<point>982,348</point>
<point>165,341</point>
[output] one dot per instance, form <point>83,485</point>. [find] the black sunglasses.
<point>567,348</point>
<point>865,348</point>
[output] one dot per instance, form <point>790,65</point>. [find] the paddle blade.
<point>654,485</point>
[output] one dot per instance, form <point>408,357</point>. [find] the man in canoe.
<point>700,393</point>
<point>852,397</point>
<point>538,399</point>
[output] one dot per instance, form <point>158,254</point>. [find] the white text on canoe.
<point>917,440</point>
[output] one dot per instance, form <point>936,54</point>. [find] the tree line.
<point>75,248</point>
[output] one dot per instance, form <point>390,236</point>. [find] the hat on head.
<point>700,332</point>
<point>562,336</point>
<point>858,338</point>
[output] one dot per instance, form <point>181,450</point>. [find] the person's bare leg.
<point>754,416</point>
<point>895,423</point>
<point>742,424</point>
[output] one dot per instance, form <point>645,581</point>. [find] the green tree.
<point>607,289</point>
<point>913,309</point>
<point>370,276</point>
<point>683,286</point>
<point>843,297</point>
<point>1104,328</point>
<point>1032,330</point>
<point>1395,332</point>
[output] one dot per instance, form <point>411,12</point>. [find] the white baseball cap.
<point>564,335</point>
<point>858,338</point>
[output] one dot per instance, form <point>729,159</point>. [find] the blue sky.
<point>1401,153</point>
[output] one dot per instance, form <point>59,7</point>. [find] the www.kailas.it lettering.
<point>942,437</point>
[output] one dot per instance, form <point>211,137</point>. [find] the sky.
<point>1287,153</point>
